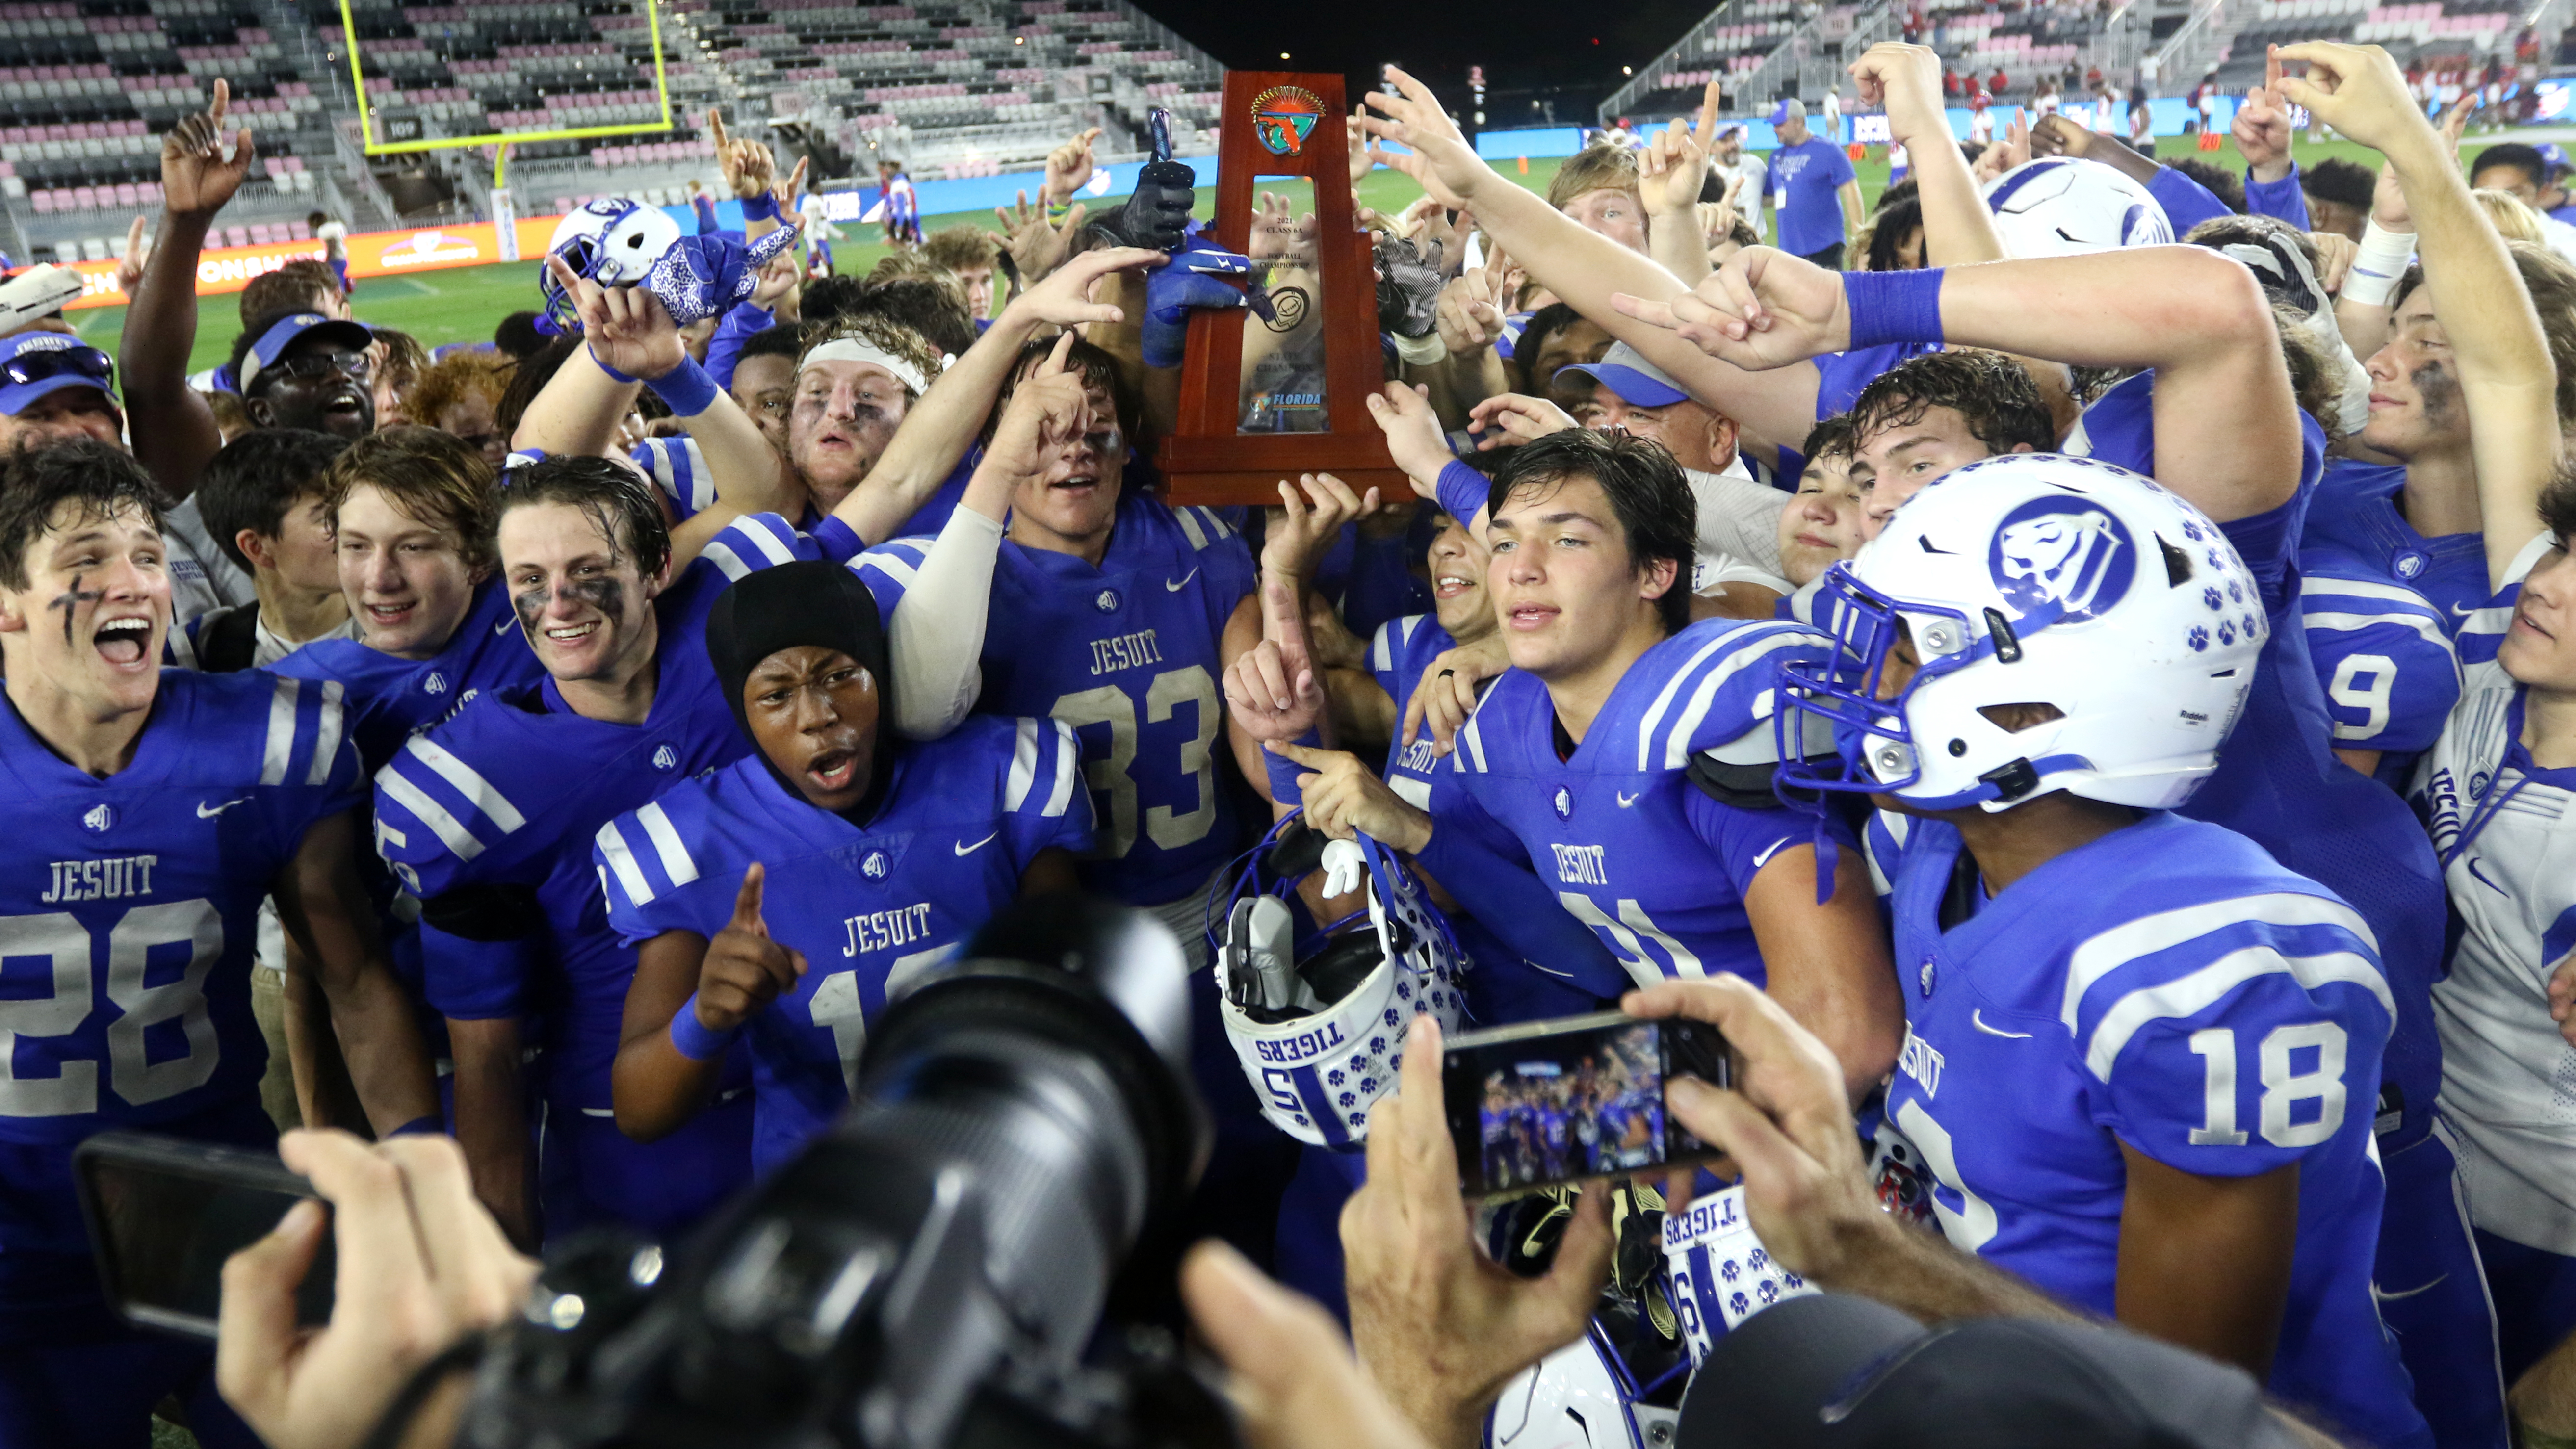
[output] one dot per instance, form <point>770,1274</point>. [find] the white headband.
<point>854,349</point>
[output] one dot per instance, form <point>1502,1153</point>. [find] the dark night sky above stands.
<point>1521,45</point>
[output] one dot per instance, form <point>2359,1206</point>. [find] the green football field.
<point>463,305</point>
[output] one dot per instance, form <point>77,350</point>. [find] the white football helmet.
<point>1319,1023</point>
<point>2060,206</point>
<point>1579,1397</point>
<point>2033,578</point>
<point>612,240</point>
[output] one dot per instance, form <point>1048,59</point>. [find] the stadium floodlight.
<point>374,147</point>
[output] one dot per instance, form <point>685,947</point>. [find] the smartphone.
<point>1549,1102</point>
<point>165,1212</point>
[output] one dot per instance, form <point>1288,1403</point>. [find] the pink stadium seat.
<point>563,204</point>
<point>261,234</point>
<point>44,201</point>
<point>83,198</point>
<point>127,195</point>
<point>236,236</point>
<point>299,230</point>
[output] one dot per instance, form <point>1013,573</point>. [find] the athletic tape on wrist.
<point>1283,771</point>
<point>696,1040</point>
<point>1462,491</point>
<point>1423,351</point>
<point>688,389</point>
<point>2377,264</point>
<point>763,207</point>
<point>1889,307</point>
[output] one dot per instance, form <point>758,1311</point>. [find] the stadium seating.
<point>1732,41</point>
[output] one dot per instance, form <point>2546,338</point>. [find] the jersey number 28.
<point>63,943</point>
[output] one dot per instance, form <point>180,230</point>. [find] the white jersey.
<point>334,237</point>
<point>809,208</point>
<point>2506,835</point>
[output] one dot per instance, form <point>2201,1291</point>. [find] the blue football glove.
<point>1194,279</point>
<point>707,276</point>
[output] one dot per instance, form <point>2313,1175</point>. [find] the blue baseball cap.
<point>287,331</point>
<point>2555,157</point>
<point>33,364</point>
<point>1625,371</point>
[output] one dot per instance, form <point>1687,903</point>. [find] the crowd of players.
<point>1553,1122</point>
<point>572,745</point>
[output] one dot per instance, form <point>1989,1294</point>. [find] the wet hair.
<point>2522,158</point>
<point>2338,180</point>
<point>405,359</point>
<point>430,475</point>
<point>518,335</point>
<point>1647,493</point>
<point>928,303</point>
<point>615,496</point>
<point>255,480</point>
<point>2551,284</point>
<point>2220,182</point>
<point>880,332</point>
<point>1543,324</point>
<point>302,285</point>
<point>1988,390</point>
<point>99,481</point>
<point>2558,501</point>
<point>1888,231</point>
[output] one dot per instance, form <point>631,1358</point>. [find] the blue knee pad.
<point>2433,1296</point>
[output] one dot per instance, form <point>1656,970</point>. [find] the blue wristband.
<point>1893,306</point>
<point>1283,771</point>
<point>613,374</point>
<point>763,207</point>
<point>688,388</point>
<point>430,1126</point>
<point>694,1039</point>
<point>1462,491</point>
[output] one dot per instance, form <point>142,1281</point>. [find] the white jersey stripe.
<point>1677,744</point>
<point>892,567</point>
<point>2344,623</point>
<point>727,562</point>
<point>2147,935</point>
<point>2356,589</point>
<point>676,860</point>
<point>1654,718</point>
<point>767,541</point>
<point>612,848</point>
<point>1188,519</point>
<point>477,791</point>
<point>326,746</point>
<point>2186,996</point>
<point>1068,768</point>
<point>1024,765</point>
<point>278,752</point>
<point>459,840</point>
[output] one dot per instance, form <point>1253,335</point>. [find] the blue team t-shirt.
<point>1803,182</point>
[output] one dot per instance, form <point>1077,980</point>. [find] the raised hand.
<point>1344,797</point>
<point>1512,418</point>
<point>792,190</point>
<point>744,969</point>
<point>196,178</point>
<point>1906,81</point>
<point>778,277</point>
<point>1048,410</point>
<point>2358,90</point>
<point>1438,155</point>
<point>1413,435</point>
<point>1446,694</point>
<point>746,164</point>
<point>627,328</point>
<point>1763,309</point>
<point>2335,252</point>
<point>2003,155</point>
<point>1355,137</point>
<point>2060,135</point>
<point>1271,687</point>
<point>1068,168</point>
<point>1064,298</point>
<point>1307,523</point>
<point>1037,246</point>
<point>2262,125</point>
<point>1470,314</point>
<point>1675,165</point>
<point>138,254</point>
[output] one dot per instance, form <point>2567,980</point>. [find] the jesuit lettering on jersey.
<point>884,930</point>
<point>1923,1062</point>
<point>1125,651</point>
<point>1581,864</point>
<point>100,880</point>
<point>1303,1047</point>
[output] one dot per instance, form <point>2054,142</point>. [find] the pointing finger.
<point>746,902</point>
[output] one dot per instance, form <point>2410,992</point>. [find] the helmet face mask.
<point>2030,579</point>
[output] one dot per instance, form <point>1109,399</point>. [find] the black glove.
<point>1157,213</point>
<point>1408,287</point>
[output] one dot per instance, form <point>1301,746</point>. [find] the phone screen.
<point>1544,1103</point>
<point>163,1219</point>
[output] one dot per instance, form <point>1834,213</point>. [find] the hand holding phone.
<point>1545,1103</point>
<point>165,1213</point>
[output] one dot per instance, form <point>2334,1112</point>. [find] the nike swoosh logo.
<point>2461,612</point>
<point>504,626</point>
<point>1626,800</point>
<point>2482,876</point>
<point>963,848</point>
<point>1977,1018</point>
<point>205,813</point>
<point>2377,1296</point>
<point>1768,851</point>
<point>1174,586</point>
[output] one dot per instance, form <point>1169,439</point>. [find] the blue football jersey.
<point>389,698</point>
<point>2383,654</point>
<point>507,796</point>
<point>1126,656</point>
<point>1630,846</point>
<point>1534,960</point>
<point>961,819</point>
<point>125,962</point>
<point>2359,509</point>
<point>2279,785</point>
<point>2169,987</point>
